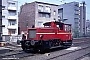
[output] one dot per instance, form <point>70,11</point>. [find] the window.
<point>54,19</point>
<point>47,15</point>
<point>40,23</point>
<point>40,15</point>
<point>12,22</point>
<point>60,12</point>
<point>3,7</point>
<point>3,16</point>
<point>61,26</point>
<point>67,28</point>
<point>76,12</point>
<point>76,22</point>
<point>11,31</point>
<point>76,16</point>
<point>12,13</point>
<point>40,8</point>
<point>54,12</point>
<point>11,4</point>
<point>32,33</point>
<point>77,5</point>
<point>47,9</point>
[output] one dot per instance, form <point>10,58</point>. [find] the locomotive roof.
<point>49,23</point>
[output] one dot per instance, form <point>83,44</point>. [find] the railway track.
<point>17,54</point>
<point>13,48</point>
<point>85,48</point>
<point>79,58</point>
<point>77,42</point>
<point>65,54</point>
<point>81,39</point>
<point>62,54</point>
<point>81,43</point>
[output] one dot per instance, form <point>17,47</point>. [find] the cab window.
<point>60,26</point>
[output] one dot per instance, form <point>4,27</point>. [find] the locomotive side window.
<point>47,26</point>
<point>32,33</point>
<point>67,28</point>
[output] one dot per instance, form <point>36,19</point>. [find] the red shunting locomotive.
<point>52,35</point>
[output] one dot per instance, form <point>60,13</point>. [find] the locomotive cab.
<point>52,35</point>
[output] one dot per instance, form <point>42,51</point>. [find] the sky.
<point>58,2</point>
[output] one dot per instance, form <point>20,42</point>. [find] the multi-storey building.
<point>10,17</point>
<point>37,13</point>
<point>70,12</point>
<point>0,17</point>
<point>88,27</point>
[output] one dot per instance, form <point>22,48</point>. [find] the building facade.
<point>70,12</point>
<point>10,17</point>
<point>37,13</point>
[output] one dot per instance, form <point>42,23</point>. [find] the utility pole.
<point>0,19</point>
<point>84,18</point>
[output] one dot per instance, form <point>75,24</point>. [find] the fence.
<point>8,38</point>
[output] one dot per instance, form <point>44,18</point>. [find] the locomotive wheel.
<point>23,47</point>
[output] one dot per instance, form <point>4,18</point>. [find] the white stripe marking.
<point>45,33</point>
<point>63,33</point>
<point>53,33</point>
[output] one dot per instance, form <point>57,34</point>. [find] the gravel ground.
<point>71,56</point>
<point>59,51</point>
<point>87,57</point>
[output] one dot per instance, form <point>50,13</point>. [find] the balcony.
<point>12,18</point>
<point>12,8</point>
<point>47,11</point>
<point>76,12</point>
<point>40,10</point>
<point>12,27</point>
<point>43,11</point>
